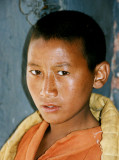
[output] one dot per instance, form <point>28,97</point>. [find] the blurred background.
<point>16,19</point>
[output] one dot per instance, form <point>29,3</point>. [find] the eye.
<point>35,72</point>
<point>63,73</point>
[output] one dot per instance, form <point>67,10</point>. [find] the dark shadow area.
<point>24,65</point>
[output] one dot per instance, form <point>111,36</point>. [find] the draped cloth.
<point>79,145</point>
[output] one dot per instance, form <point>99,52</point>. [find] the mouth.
<point>50,108</point>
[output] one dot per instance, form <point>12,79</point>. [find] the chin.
<point>53,120</point>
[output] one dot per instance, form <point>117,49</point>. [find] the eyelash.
<point>37,72</point>
<point>64,73</point>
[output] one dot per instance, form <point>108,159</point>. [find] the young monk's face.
<point>58,79</point>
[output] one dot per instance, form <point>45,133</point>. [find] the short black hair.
<point>70,25</point>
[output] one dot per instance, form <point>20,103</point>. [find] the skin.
<point>69,90</point>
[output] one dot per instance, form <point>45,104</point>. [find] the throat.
<point>56,132</point>
<point>76,123</point>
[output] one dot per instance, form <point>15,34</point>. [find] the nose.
<point>48,86</point>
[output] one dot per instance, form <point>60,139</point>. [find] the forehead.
<point>55,50</point>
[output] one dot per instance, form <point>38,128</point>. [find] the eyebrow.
<point>62,65</point>
<point>57,65</point>
<point>33,64</point>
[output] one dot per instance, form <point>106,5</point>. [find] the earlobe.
<point>101,74</point>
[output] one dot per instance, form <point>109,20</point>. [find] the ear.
<point>101,74</point>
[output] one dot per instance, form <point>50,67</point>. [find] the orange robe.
<point>78,145</point>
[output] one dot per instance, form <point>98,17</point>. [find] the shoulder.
<point>8,151</point>
<point>28,136</point>
<point>94,153</point>
<point>25,141</point>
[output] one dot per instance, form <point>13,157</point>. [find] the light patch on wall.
<point>118,74</point>
<point>116,43</point>
<point>115,83</point>
<point>35,9</point>
<point>13,120</point>
<point>26,112</point>
<point>115,58</point>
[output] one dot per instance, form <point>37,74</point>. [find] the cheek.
<point>29,83</point>
<point>71,86</point>
<point>32,86</point>
<point>75,89</point>
<point>68,91</point>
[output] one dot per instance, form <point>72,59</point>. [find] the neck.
<point>78,122</point>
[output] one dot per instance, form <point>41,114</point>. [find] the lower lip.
<point>47,109</point>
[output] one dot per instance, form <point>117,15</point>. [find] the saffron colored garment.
<point>78,145</point>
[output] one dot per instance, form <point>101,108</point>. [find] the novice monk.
<point>66,60</point>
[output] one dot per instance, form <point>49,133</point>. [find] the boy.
<point>66,60</point>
